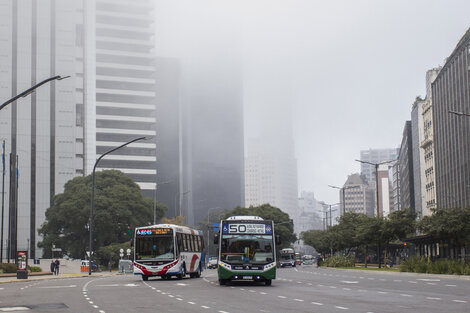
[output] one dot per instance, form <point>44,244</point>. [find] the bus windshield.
<point>237,249</point>
<point>159,247</point>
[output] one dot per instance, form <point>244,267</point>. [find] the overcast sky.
<point>349,70</point>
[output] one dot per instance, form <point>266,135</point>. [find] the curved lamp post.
<point>93,195</point>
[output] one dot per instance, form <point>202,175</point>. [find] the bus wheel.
<point>183,272</point>
<point>268,282</point>
<point>222,282</point>
<point>145,277</point>
<point>198,272</point>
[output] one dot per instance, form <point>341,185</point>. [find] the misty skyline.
<point>350,70</point>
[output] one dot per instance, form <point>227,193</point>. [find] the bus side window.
<point>185,242</point>
<point>179,240</point>
<point>199,244</point>
<point>193,243</point>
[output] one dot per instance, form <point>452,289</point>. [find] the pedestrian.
<point>52,267</point>
<point>57,265</point>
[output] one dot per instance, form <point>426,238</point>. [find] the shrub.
<point>339,261</point>
<point>8,267</point>
<point>445,266</point>
<point>35,269</point>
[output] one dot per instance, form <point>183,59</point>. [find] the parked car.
<point>212,263</point>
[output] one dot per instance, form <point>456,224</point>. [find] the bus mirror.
<point>278,239</point>
<point>216,238</point>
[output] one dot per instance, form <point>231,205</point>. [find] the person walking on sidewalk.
<point>57,265</point>
<point>52,266</point>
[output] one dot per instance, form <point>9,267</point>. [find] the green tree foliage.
<point>450,225</point>
<point>119,208</point>
<point>319,239</point>
<point>282,223</point>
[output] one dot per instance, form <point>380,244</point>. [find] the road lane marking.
<point>223,312</point>
<point>332,287</point>
<point>317,303</point>
<point>299,300</point>
<point>14,308</point>
<point>433,298</point>
<point>181,284</point>
<point>383,292</point>
<point>263,293</point>
<point>349,281</point>
<point>101,311</point>
<point>179,299</point>
<point>205,307</point>
<point>412,282</point>
<point>282,297</point>
<point>190,302</point>
<point>58,287</point>
<point>405,295</point>
<point>460,301</point>
<point>171,296</point>
<point>428,279</point>
<point>341,307</point>
<point>451,285</point>
<point>346,288</point>
<point>95,306</point>
<point>434,284</point>
<point>397,280</point>
<point>252,290</point>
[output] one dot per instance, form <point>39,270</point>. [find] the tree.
<point>119,208</point>
<point>282,223</point>
<point>319,239</point>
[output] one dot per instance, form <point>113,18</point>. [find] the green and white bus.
<point>246,250</point>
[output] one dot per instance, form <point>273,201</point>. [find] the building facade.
<point>356,196</point>
<point>375,156</point>
<point>38,130</point>
<point>450,92</point>
<point>427,144</point>
<point>419,174</point>
<point>405,160</point>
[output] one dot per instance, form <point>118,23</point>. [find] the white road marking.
<point>181,284</point>
<point>95,306</point>
<point>346,288</point>
<point>332,287</point>
<point>299,282</point>
<point>383,292</point>
<point>88,299</point>
<point>252,290</point>
<point>310,284</point>
<point>101,311</point>
<point>397,280</point>
<point>171,296</point>
<point>191,302</point>
<point>57,287</point>
<point>263,293</point>
<point>460,301</point>
<point>299,300</point>
<point>362,290</point>
<point>341,307</point>
<point>14,308</point>
<point>205,307</point>
<point>317,303</point>
<point>282,297</point>
<point>428,279</point>
<point>349,281</point>
<point>222,312</point>
<point>320,285</point>
<point>179,299</point>
<point>433,298</point>
<point>451,285</point>
<point>412,282</point>
<point>434,284</point>
<point>90,302</point>
<point>405,295</point>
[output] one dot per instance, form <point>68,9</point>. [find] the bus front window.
<point>247,249</point>
<point>154,248</point>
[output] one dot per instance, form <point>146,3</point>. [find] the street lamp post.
<point>21,95</point>
<point>209,227</point>
<point>344,196</point>
<point>93,196</point>
<point>376,180</point>
<point>178,208</point>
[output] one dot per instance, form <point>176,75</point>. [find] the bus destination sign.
<point>247,228</point>
<point>153,231</point>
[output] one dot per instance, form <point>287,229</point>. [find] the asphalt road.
<point>303,289</point>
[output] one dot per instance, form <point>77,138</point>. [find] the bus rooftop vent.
<point>245,217</point>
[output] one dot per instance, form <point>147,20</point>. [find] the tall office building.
<point>39,130</point>
<point>375,156</point>
<point>405,160</point>
<point>419,175</point>
<point>427,144</point>
<point>356,196</point>
<point>271,177</point>
<point>122,50</point>
<point>451,92</point>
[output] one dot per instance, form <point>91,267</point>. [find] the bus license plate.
<point>247,277</point>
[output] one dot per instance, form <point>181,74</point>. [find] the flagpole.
<point>3,201</point>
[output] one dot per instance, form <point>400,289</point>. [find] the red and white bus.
<point>167,250</point>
